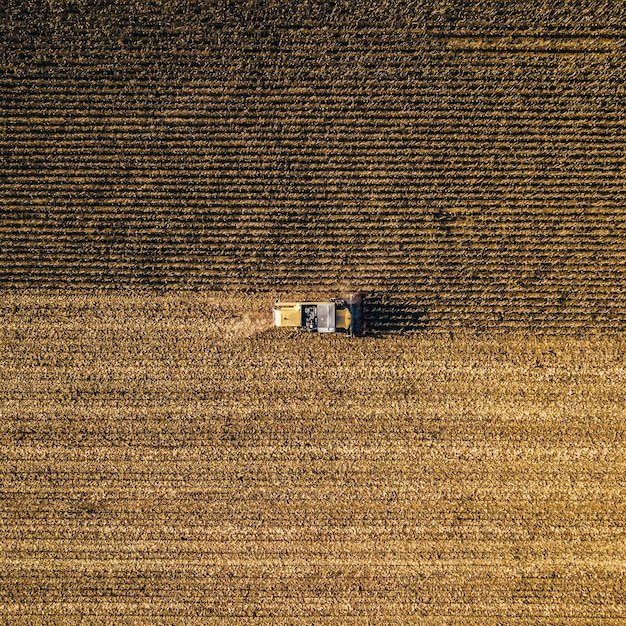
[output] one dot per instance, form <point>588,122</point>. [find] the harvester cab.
<point>334,315</point>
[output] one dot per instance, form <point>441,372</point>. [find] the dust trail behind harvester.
<point>248,324</point>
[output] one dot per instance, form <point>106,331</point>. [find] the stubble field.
<point>172,459</point>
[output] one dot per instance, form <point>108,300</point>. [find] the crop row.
<point>464,171</point>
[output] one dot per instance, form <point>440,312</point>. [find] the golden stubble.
<point>172,456</point>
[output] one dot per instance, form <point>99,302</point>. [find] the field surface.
<point>172,459</point>
<point>167,457</point>
<point>462,157</point>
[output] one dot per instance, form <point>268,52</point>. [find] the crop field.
<point>168,168</point>
<point>173,459</point>
<point>464,158</point>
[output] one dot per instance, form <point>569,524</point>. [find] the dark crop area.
<point>461,159</point>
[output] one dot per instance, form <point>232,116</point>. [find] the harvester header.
<point>329,316</point>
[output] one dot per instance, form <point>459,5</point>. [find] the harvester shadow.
<point>385,318</point>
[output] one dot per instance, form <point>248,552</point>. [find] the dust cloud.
<point>246,325</point>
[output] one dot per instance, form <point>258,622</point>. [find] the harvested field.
<point>170,459</point>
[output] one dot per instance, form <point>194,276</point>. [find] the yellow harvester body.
<point>290,314</point>
<point>324,317</point>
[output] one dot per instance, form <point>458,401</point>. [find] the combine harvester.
<point>336,314</point>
